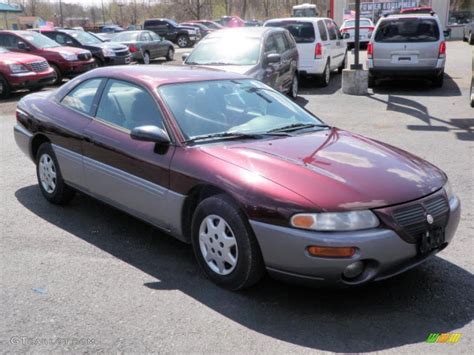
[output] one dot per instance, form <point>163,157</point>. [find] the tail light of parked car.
<point>318,51</point>
<point>370,50</point>
<point>442,50</point>
<point>133,48</point>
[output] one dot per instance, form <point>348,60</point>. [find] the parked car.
<point>104,37</point>
<point>202,29</point>
<point>253,23</point>
<point>365,31</point>
<point>146,46</point>
<point>407,46</point>
<point>468,34</point>
<point>232,21</point>
<point>104,53</point>
<point>111,29</point>
<point>23,71</point>
<point>244,174</point>
<point>320,45</point>
<point>267,54</point>
<point>183,36</point>
<point>65,61</point>
<point>209,24</point>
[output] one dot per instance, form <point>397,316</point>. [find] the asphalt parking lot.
<point>88,278</point>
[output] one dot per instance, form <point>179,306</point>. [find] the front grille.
<point>84,56</point>
<point>122,52</point>
<point>412,219</point>
<point>39,66</point>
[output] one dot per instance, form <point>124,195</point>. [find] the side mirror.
<point>346,35</point>
<point>150,134</point>
<point>23,46</point>
<point>272,58</point>
<point>184,56</point>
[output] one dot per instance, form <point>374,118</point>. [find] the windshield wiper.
<point>297,126</point>
<point>234,135</point>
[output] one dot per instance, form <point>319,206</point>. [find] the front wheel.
<point>50,181</point>
<point>224,244</point>
<point>170,54</point>
<point>59,75</point>
<point>182,41</point>
<point>5,90</point>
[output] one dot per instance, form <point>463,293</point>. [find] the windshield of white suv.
<point>407,30</point>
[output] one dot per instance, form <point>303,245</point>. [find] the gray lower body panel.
<point>23,139</point>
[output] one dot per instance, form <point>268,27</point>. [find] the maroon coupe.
<point>250,179</point>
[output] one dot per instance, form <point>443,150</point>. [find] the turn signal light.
<point>302,221</point>
<point>370,50</point>
<point>331,252</point>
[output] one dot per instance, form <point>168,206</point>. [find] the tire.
<point>5,89</point>
<point>146,58</point>
<point>50,181</point>
<point>472,95</point>
<point>438,81</point>
<point>372,81</point>
<point>343,65</point>
<point>99,62</point>
<point>244,266</point>
<point>182,41</point>
<point>59,75</point>
<point>326,76</point>
<point>170,54</point>
<point>471,39</point>
<point>293,93</point>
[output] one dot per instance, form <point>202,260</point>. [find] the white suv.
<point>321,47</point>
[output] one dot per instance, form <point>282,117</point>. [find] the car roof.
<point>254,32</point>
<point>156,75</point>
<point>411,15</point>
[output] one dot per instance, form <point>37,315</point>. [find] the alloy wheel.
<point>146,58</point>
<point>218,245</point>
<point>182,41</point>
<point>327,74</point>
<point>294,87</point>
<point>47,173</point>
<point>171,54</point>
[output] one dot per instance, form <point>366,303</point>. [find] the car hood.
<point>182,27</point>
<point>65,49</point>
<point>335,169</point>
<point>12,57</point>
<point>116,46</point>
<point>239,69</point>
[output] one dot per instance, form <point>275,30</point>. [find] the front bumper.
<point>123,60</point>
<point>71,69</point>
<point>384,253</point>
<point>23,139</point>
<point>31,79</point>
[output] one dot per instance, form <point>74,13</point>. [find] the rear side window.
<point>281,43</point>
<point>151,23</point>
<point>322,31</point>
<point>407,30</point>
<point>82,96</point>
<point>302,32</point>
<point>9,41</point>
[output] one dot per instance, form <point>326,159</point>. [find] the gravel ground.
<point>88,278</point>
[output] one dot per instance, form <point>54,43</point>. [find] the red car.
<point>249,178</point>
<point>65,61</point>
<point>23,71</point>
<point>232,21</point>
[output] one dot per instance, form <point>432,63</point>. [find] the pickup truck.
<point>183,36</point>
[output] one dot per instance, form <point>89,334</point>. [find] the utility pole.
<point>120,5</point>
<point>357,65</point>
<point>61,13</point>
<point>103,12</point>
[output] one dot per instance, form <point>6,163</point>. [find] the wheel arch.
<point>36,142</point>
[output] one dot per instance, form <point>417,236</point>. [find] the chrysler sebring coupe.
<point>253,181</point>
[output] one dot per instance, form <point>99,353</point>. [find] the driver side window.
<point>128,106</point>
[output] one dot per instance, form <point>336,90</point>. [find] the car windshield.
<point>125,37</point>
<point>351,23</point>
<point>234,108</point>
<point>303,32</point>
<point>85,38</point>
<point>408,30</point>
<point>39,40</point>
<point>228,50</point>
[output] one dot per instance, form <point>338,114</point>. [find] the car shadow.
<point>417,87</point>
<point>310,85</point>
<point>435,297</point>
<point>462,127</point>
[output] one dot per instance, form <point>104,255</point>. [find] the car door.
<point>336,44</point>
<point>147,44</point>
<point>15,43</point>
<point>271,70</point>
<point>285,74</point>
<point>159,44</point>
<point>77,107</point>
<point>129,174</point>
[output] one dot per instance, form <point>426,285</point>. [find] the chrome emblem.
<point>429,219</point>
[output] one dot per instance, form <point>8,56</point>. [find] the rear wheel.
<point>437,82</point>
<point>59,75</point>
<point>50,180</point>
<point>146,58</point>
<point>326,76</point>
<point>224,244</point>
<point>170,54</point>
<point>5,90</point>
<point>182,41</point>
<point>294,87</point>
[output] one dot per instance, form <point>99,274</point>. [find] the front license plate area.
<point>431,240</point>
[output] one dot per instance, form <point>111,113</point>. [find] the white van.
<point>320,45</point>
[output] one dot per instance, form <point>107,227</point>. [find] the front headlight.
<point>68,56</point>
<point>449,191</point>
<point>107,52</point>
<point>18,68</point>
<point>335,221</point>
